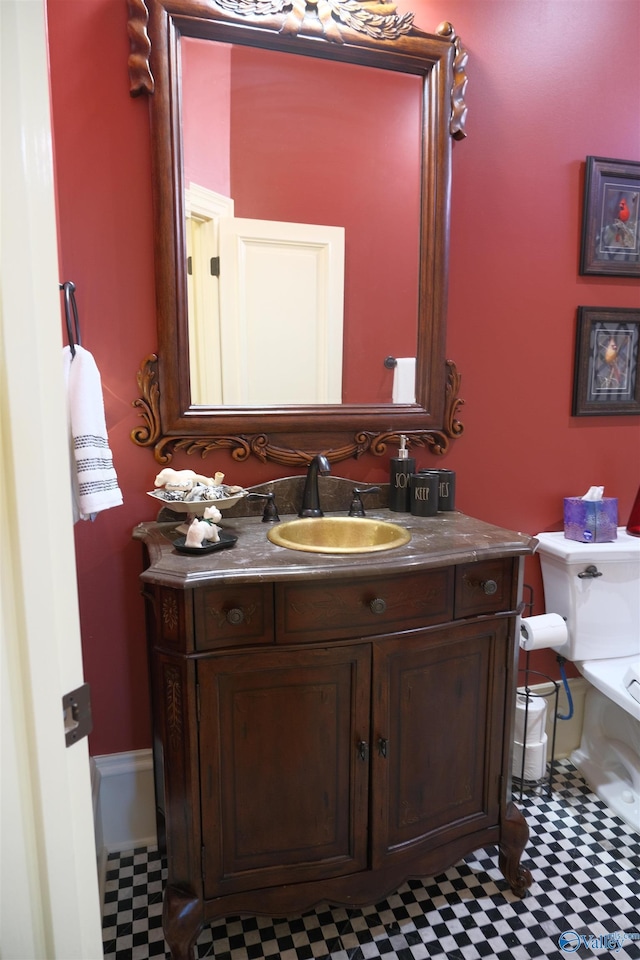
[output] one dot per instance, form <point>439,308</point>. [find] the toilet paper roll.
<point>539,633</point>
<point>535,760</point>
<point>536,715</point>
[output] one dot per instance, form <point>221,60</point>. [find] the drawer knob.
<point>489,587</point>
<point>235,616</point>
<point>378,605</point>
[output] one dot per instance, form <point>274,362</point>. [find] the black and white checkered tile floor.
<point>586,883</point>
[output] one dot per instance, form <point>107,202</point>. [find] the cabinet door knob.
<point>235,616</point>
<point>383,747</point>
<point>489,587</point>
<point>363,750</point>
<point>378,605</point>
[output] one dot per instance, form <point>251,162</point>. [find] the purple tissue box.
<point>591,521</point>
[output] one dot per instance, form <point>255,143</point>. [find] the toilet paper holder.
<point>525,689</point>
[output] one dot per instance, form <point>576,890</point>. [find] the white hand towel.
<point>94,481</point>
<point>404,380</point>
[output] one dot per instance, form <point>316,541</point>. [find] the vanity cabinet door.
<point>438,719</point>
<point>284,766</point>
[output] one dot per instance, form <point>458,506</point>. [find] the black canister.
<point>447,490</point>
<point>424,493</point>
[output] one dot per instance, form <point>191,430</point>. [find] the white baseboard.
<point>125,802</point>
<point>101,853</point>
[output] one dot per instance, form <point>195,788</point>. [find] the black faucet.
<point>311,498</point>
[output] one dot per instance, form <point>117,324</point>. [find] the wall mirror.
<point>301,178</point>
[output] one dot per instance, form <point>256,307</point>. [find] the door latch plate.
<point>76,711</point>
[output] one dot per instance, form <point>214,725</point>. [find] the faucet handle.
<point>270,514</point>
<point>357,508</point>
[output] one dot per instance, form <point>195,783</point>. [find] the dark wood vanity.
<point>326,727</point>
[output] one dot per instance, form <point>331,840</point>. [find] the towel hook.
<point>390,363</point>
<point>70,307</point>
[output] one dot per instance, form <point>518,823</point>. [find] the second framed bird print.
<point>610,225</point>
<point>606,378</point>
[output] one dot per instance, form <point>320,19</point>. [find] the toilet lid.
<point>626,548</point>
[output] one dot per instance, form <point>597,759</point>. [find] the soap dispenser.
<point>402,467</point>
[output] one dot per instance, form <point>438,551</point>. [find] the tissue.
<point>592,518</point>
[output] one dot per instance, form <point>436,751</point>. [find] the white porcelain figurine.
<point>185,479</point>
<point>202,531</point>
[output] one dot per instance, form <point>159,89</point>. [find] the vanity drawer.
<point>233,616</point>
<point>335,610</point>
<point>485,587</point>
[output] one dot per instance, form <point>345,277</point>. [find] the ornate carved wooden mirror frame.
<point>362,33</point>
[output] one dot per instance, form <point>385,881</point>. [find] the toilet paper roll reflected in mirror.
<point>540,633</point>
<point>404,380</point>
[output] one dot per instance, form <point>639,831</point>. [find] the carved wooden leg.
<point>513,839</point>
<point>181,921</point>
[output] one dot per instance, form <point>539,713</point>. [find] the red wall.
<point>206,114</point>
<point>549,83</point>
<point>327,167</point>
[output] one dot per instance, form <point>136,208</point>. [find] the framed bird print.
<point>606,378</point>
<point>610,224</point>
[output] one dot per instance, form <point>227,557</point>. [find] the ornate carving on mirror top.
<point>261,446</point>
<point>377,19</point>
<point>334,18</point>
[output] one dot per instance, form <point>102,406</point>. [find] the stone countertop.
<point>448,538</point>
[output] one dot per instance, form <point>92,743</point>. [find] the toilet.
<point>596,588</point>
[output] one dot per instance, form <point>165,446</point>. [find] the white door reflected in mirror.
<point>270,279</point>
<point>282,310</point>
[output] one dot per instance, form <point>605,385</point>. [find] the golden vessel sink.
<point>339,535</point>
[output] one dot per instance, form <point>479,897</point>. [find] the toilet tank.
<point>602,611</point>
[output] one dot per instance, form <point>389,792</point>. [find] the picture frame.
<point>606,376</point>
<point>611,218</point>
